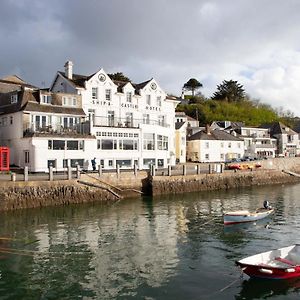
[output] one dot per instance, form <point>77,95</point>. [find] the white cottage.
<point>214,146</point>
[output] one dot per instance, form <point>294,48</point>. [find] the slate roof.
<point>214,135</point>
<point>77,79</point>
<point>278,128</point>
<point>28,100</point>
<point>178,125</point>
<point>13,83</point>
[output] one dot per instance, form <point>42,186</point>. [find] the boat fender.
<point>290,270</point>
<point>266,271</point>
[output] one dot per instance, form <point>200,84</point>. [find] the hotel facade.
<point>85,117</point>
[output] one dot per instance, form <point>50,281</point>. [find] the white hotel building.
<point>85,117</point>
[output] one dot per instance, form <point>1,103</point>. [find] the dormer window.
<point>46,99</point>
<point>13,98</point>
<point>129,96</point>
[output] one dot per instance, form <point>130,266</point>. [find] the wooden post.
<point>135,170</point>
<point>50,173</point>
<point>152,170</point>
<point>118,171</point>
<point>100,170</point>
<point>198,169</point>
<point>77,171</point>
<point>209,169</point>
<point>184,170</point>
<point>13,176</point>
<point>169,170</point>
<point>69,172</point>
<point>26,173</point>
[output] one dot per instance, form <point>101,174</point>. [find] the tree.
<point>192,85</point>
<point>119,76</point>
<point>230,91</point>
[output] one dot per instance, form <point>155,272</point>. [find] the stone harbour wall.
<point>227,180</point>
<point>18,195</point>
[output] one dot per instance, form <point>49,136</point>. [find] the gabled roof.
<point>77,79</point>
<point>278,128</point>
<point>213,135</point>
<point>139,86</point>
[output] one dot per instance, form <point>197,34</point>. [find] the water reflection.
<point>165,248</point>
<point>264,288</point>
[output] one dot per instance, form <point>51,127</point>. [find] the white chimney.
<point>69,69</point>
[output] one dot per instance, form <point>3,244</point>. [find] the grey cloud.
<point>171,40</point>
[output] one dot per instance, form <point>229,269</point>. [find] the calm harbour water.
<point>173,247</point>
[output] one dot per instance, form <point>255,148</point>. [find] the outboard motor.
<point>266,204</point>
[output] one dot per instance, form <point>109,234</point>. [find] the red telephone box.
<point>4,159</point>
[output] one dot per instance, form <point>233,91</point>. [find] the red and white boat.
<point>242,216</point>
<point>282,263</point>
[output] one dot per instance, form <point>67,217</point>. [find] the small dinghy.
<point>282,263</point>
<point>242,216</point>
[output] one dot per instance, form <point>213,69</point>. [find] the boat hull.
<point>282,263</point>
<point>243,217</point>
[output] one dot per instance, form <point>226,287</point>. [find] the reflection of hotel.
<point>133,123</point>
<point>132,248</point>
<point>82,117</point>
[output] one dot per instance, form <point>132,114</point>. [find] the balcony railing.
<point>125,122</point>
<point>57,129</point>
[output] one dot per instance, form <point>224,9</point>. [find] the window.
<point>129,119</point>
<point>239,145</point>
<point>161,120</point>
<point>222,156</point>
<point>207,145</point>
<point>123,162</point>
<point>128,145</point>
<point>162,142</point>
<point>58,145</point>
<point>146,119</point>
<point>148,161</point>
<point>160,162</point>
<point>69,101</point>
<point>158,99</point>
<point>222,145</point>
<point>4,121</point>
<point>149,141</point>
<point>51,163</point>
<point>46,99</point>
<point>26,157</point>
<point>94,93</point>
<point>108,95</point>
<point>11,120</point>
<point>129,96</point>
<point>14,99</point>
<point>206,156</point>
<point>72,145</point>
<point>77,162</point>
<point>110,162</point>
<point>65,163</point>
<point>111,118</point>
<point>107,144</point>
<point>229,145</point>
<point>148,99</point>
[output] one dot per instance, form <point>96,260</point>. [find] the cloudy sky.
<point>256,42</point>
